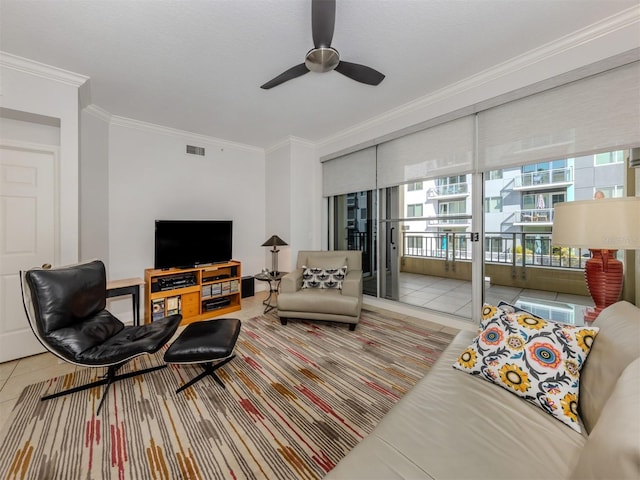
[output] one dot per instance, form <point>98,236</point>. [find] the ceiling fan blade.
<point>323,20</point>
<point>360,73</point>
<point>290,74</point>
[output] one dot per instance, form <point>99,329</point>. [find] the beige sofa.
<point>329,304</point>
<point>455,426</point>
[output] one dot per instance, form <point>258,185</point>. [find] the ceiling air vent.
<point>193,150</point>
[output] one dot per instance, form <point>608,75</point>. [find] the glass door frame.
<point>389,226</point>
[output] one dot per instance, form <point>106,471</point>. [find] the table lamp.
<point>274,241</point>
<point>603,226</point>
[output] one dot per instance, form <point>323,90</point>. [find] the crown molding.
<point>609,26</point>
<point>303,142</point>
<point>98,112</point>
<point>289,141</point>
<point>174,132</point>
<point>38,69</point>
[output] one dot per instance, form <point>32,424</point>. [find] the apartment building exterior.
<point>518,206</point>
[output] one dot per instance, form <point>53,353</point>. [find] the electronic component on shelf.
<point>172,282</point>
<point>215,303</point>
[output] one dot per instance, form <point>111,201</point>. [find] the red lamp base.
<point>604,276</point>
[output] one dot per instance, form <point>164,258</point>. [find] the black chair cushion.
<point>85,335</point>
<point>130,342</point>
<point>69,314</point>
<point>204,341</point>
<point>66,296</point>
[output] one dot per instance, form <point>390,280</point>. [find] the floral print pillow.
<point>536,359</point>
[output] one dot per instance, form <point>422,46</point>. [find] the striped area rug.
<point>297,399</point>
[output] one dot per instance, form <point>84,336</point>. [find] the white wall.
<point>94,185</point>
<point>41,90</point>
<point>293,200</point>
<point>277,205</point>
<point>25,131</point>
<point>151,177</point>
<point>306,198</point>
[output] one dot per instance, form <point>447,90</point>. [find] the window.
<point>493,205</point>
<point>545,173</point>
<point>452,180</point>
<point>455,207</point>
<point>411,187</point>
<point>453,185</point>
<point>615,191</point>
<point>541,201</point>
<point>608,158</point>
<point>494,175</point>
<point>414,210</point>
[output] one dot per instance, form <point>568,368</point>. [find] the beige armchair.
<point>323,302</point>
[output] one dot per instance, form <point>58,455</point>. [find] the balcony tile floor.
<point>454,296</point>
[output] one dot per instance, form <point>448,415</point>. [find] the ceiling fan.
<point>324,58</point>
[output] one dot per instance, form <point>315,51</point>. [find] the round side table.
<point>274,287</point>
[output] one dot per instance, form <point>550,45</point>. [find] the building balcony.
<point>449,221</point>
<point>452,190</point>
<point>544,179</point>
<point>538,217</point>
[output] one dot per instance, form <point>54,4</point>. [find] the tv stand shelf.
<point>197,293</point>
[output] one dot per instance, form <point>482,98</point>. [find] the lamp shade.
<point>274,241</point>
<point>608,224</point>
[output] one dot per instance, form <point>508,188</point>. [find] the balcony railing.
<point>517,249</point>
<point>544,177</point>
<point>451,219</point>
<point>534,215</point>
<point>451,189</point>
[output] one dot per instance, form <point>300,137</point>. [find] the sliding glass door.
<point>521,264</point>
<point>390,253</point>
<point>426,250</point>
<point>355,228</point>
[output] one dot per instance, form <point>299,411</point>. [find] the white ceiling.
<point>197,65</point>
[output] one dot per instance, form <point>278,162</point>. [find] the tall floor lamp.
<point>274,241</point>
<point>604,227</point>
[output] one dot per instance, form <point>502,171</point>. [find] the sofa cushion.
<point>617,345</point>
<point>319,300</point>
<point>314,277</point>
<point>326,260</point>
<point>455,426</point>
<point>613,447</point>
<point>536,359</point>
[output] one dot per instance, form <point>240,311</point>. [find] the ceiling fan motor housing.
<point>323,59</point>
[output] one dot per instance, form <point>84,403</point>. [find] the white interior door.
<point>27,236</point>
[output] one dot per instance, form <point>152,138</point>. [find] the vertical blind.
<point>595,114</point>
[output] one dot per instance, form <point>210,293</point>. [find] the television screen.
<point>188,243</point>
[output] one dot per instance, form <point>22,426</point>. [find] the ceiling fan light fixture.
<point>323,59</point>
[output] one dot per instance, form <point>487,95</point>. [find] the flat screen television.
<point>189,243</point>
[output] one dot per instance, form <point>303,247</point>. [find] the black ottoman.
<point>205,342</point>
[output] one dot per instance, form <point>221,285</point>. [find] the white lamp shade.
<point>610,223</point>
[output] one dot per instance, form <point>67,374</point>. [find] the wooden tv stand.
<point>197,293</point>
